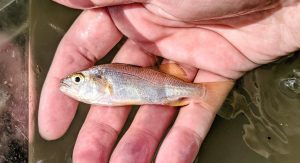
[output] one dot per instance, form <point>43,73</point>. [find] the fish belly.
<point>128,89</point>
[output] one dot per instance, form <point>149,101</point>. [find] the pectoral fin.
<point>108,89</point>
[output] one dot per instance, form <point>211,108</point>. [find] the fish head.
<point>85,86</point>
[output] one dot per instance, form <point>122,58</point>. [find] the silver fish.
<point>123,84</point>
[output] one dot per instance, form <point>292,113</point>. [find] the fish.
<point>118,84</point>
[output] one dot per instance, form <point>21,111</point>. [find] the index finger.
<point>91,36</point>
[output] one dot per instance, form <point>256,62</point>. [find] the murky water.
<point>263,125</point>
<point>13,81</point>
<point>270,99</point>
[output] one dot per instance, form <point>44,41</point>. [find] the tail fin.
<point>215,94</point>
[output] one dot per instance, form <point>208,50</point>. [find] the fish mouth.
<point>63,85</point>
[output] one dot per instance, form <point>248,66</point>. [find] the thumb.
<point>85,4</point>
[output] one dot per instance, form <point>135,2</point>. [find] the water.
<point>290,86</point>
<point>270,99</point>
<point>261,113</point>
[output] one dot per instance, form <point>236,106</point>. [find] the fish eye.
<point>77,78</point>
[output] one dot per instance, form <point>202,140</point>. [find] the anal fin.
<point>180,102</point>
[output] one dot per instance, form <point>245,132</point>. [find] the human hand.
<point>209,50</point>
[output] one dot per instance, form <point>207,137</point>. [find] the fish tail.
<point>212,94</point>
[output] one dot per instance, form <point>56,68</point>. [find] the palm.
<point>208,50</point>
<point>240,43</point>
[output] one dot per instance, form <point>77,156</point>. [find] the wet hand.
<point>208,50</point>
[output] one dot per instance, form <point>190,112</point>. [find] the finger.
<point>83,4</point>
<point>86,42</point>
<point>195,46</point>
<point>191,126</point>
<point>150,123</point>
<point>103,124</point>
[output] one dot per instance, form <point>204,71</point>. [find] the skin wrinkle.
<point>110,115</point>
<point>198,138</point>
<point>71,59</point>
<point>240,48</point>
<point>146,132</point>
<point>210,110</point>
<point>241,71</point>
<point>89,34</point>
<point>81,154</point>
<point>159,11</point>
<point>86,55</point>
<point>233,9</point>
<point>184,153</point>
<point>106,127</point>
<point>135,150</point>
<point>155,34</point>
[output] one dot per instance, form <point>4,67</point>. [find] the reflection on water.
<point>270,99</point>
<point>291,85</point>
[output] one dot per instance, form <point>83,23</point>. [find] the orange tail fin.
<point>215,94</point>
